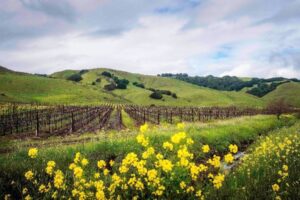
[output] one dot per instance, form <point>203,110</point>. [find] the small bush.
<point>156,95</point>
<point>141,85</point>
<point>83,71</point>
<point>107,74</point>
<point>98,80</point>
<point>166,92</point>
<point>75,78</point>
<point>174,95</point>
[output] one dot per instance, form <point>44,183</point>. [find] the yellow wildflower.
<point>111,163</point>
<point>275,187</point>
<point>77,157</point>
<point>182,185</point>
<point>59,179</point>
<point>32,152</point>
<point>78,172</point>
<point>84,162</point>
<point>141,139</point>
<point>101,164</point>
<point>228,158</point>
<point>190,141</point>
<point>180,125</point>
<point>105,172</point>
<point>29,175</point>
<point>176,138</point>
<point>28,197</point>
<point>168,145</point>
<point>205,148</point>
<point>285,168</point>
<point>42,188</point>
<point>144,128</point>
<point>218,180</point>
<point>233,148</point>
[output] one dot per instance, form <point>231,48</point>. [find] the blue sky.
<point>199,37</point>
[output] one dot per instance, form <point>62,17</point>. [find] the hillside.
<point>56,89</point>
<point>188,94</point>
<point>16,87</point>
<point>288,91</point>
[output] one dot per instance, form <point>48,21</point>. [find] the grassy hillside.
<point>29,88</point>
<point>288,91</point>
<point>22,87</point>
<point>188,94</point>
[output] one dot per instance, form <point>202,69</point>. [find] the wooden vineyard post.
<point>171,120</point>
<point>72,122</point>
<point>37,131</point>
<point>180,115</point>
<point>158,117</point>
<point>144,116</point>
<point>192,114</point>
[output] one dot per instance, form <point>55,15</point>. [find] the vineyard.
<point>43,120</point>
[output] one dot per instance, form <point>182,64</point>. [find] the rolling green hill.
<point>56,89</point>
<point>288,91</point>
<point>16,87</point>
<point>188,94</point>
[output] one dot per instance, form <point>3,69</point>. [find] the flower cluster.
<point>32,153</point>
<point>152,173</point>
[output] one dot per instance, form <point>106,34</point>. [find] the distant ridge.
<point>4,69</point>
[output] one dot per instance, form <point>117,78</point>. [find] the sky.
<point>246,38</point>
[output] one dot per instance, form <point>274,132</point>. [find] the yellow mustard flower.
<point>229,158</point>
<point>218,180</point>
<point>233,148</point>
<point>275,187</point>
<point>59,179</point>
<point>101,164</point>
<point>205,148</point>
<point>144,128</point>
<point>32,152</point>
<point>29,175</point>
<point>180,126</point>
<point>168,146</point>
<point>84,162</point>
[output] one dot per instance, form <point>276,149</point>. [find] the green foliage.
<point>121,83</point>
<point>156,95</point>
<point>263,88</point>
<point>263,167</point>
<point>141,85</point>
<point>230,83</point>
<point>75,77</point>
<point>107,74</point>
<point>216,134</point>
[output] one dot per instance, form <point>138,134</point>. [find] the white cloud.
<point>158,42</point>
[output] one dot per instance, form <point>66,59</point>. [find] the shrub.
<point>98,80</point>
<point>166,92</point>
<point>174,95</point>
<point>141,85</point>
<point>156,95</point>
<point>107,74</point>
<point>121,83</point>
<point>83,71</point>
<point>75,77</point>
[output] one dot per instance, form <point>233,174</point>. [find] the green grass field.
<point>217,134</point>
